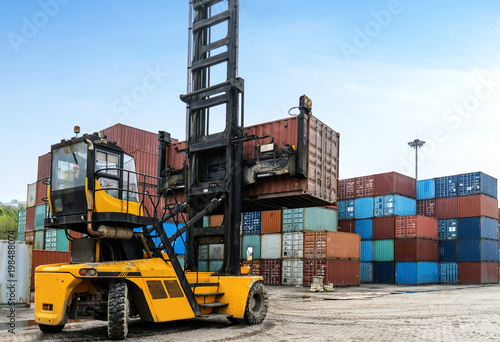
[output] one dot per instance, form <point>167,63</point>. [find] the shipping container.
<point>292,271</point>
<point>309,219</point>
<point>216,220</point>
<point>251,241</point>
<point>416,249</point>
<point>215,265</point>
<point>206,221</point>
<point>41,191</point>
<point>18,254</point>
<point>347,188</point>
<point>478,228</point>
<point>203,266</point>
<point>39,239</point>
<point>477,183</point>
<point>31,197</point>
<point>346,209</point>
<point>383,272</point>
<point>41,257</point>
<point>413,273</point>
<point>446,186</point>
<point>55,240</point>
<point>366,272</point>
<point>426,189</point>
<point>478,273</point>
<point>293,245</point>
<point>390,205</point>
<point>364,228</point>
<point>383,250</point>
<point>448,272</point>
<point>477,205</point>
<point>270,221</point>
<point>21,221</point>
<point>366,250</point>
<point>131,139</point>
<point>447,208</point>
<point>334,271</point>
<point>365,186</point>
<point>384,228</point>
<point>41,213</point>
<point>146,162</point>
<point>30,219</point>
<point>427,208</point>
<point>203,252</point>
<point>472,250</point>
<point>180,243</point>
<point>448,229</point>
<point>270,271</point>
<point>363,208</point>
<point>216,251</point>
<point>44,166</point>
<point>251,222</point>
<point>29,237</point>
<point>21,237</point>
<point>395,183</point>
<point>347,226</point>
<point>448,251</point>
<point>320,245</point>
<point>314,268</point>
<point>412,226</point>
<point>254,265</point>
<point>270,246</point>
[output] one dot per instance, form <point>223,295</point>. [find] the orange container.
<point>41,191</point>
<point>319,245</point>
<point>44,166</point>
<point>270,221</point>
<point>216,220</point>
<point>416,226</point>
<point>477,205</point>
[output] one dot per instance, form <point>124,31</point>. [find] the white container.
<point>292,272</point>
<point>31,200</point>
<point>270,246</point>
<point>15,281</point>
<point>293,246</point>
<point>216,251</point>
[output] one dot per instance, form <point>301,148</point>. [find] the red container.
<point>347,188</point>
<point>146,163</point>
<point>427,208</point>
<point>365,186</point>
<point>270,270</point>
<point>346,226</point>
<point>30,219</point>
<point>395,183</point>
<point>412,226</point>
<point>384,228</point>
<point>44,166</point>
<point>447,207</point>
<point>416,249</point>
<point>131,139</point>
<point>335,271</point>
<point>478,273</point>
<point>41,191</point>
<point>176,155</point>
<point>270,221</point>
<point>254,266</point>
<point>41,257</point>
<point>320,245</point>
<point>477,205</point>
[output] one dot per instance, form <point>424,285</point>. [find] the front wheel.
<point>50,329</point>
<point>257,304</point>
<point>118,311</point>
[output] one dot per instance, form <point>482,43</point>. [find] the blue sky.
<point>379,72</point>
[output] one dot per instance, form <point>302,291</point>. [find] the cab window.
<point>69,166</point>
<point>108,177</point>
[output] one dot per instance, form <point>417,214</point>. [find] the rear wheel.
<point>118,311</point>
<point>50,329</point>
<point>257,303</point>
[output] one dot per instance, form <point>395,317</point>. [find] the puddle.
<point>422,291</point>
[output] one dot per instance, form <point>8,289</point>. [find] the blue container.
<point>364,228</point>
<point>363,207</point>
<point>251,223</point>
<point>420,272</point>
<point>426,189</point>
<point>366,274</point>
<point>383,272</point>
<point>447,229</point>
<point>390,205</point>
<point>446,186</point>
<point>346,209</point>
<point>170,229</point>
<point>366,250</point>
<point>478,228</point>
<point>477,250</point>
<point>448,272</point>
<point>448,250</point>
<point>477,183</point>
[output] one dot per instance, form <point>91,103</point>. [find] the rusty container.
<point>30,219</point>
<point>364,186</point>
<point>44,166</point>
<point>477,205</point>
<point>343,272</point>
<point>346,226</point>
<point>416,249</point>
<point>176,155</point>
<point>42,257</point>
<point>270,221</point>
<point>41,191</point>
<point>427,207</point>
<point>447,208</point>
<point>384,228</point>
<point>318,245</point>
<point>131,139</point>
<point>254,266</point>
<point>347,188</point>
<point>477,272</point>
<point>29,237</point>
<point>270,270</point>
<point>395,183</point>
<point>146,163</point>
<point>412,226</point>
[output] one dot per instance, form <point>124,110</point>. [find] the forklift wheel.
<point>257,303</point>
<point>51,329</point>
<point>118,311</point>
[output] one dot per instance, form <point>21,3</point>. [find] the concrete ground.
<point>365,313</point>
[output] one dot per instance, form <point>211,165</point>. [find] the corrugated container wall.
<point>477,273</point>
<point>448,251</point>
<point>426,189</point>
<point>384,228</point>
<point>292,271</point>
<point>364,228</point>
<point>270,246</point>
<point>446,186</point>
<point>383,250</point>
<point>383,272</point>
<point>447,208</point>
<point>477,183</point>
<point>477,205</point>
<point>147,163</point>
<point>270,270</point>
<point>477,250</point>
<point>293,245</point>
<point>448,229</point>
<point>365,186</point>
<point>416,250</point>
<point>413,273</point>
<point>427,208</point>
<point>309,219</point>
<point>416,226</point>
<point>366,272</point>
<point>251,241</point>
<point>132,139</point>
<point>347,226</point>
<point>343,272</point>
<point>270,221</point>
<point>318,245</point>
<point>30,219</point>
<point>478,228</point>
<point>251,223</point>
<point>390,205</point>
<point>346,209</point>
<point>41,257</point>
<point>363,208</point>
<point>255,266</point>
<point>395,183</point>
<point>448,273</point>
<point>31,196</point>
<point>21,221</point>
<point>17,254</point>
<point>366,250</point>
<point>41,191</point>
<point>44,166</point>
<point>347,188</point>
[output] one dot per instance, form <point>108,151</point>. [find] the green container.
<point>50,240</point>
<point>62,243</point>
<point>21,237</point>
<point>203,252</point>
<point>383,250</point>
<point>21,221</point>
<point>206,221</point>
<point>41,212</point>
<point>214,265</point>
<point>309,219</point>
<point>39,238</point>
<point>252,240</point>
<point>203,266</point>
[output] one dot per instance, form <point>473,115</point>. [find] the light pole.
<point>416,144</point>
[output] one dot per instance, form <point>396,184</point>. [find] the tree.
<point>8,223</point>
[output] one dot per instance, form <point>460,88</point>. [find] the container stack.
<point>466,207</point>
<point>21,225</point>
<point>369,207</point>
<point>271,246</point>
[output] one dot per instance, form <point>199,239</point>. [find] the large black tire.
<point>257,303</point>
<point>50,329</point>
<point>118,311</point>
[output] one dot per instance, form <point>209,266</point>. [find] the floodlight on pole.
<point>416,144</point>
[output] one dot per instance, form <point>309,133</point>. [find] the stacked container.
<point>21,225</point>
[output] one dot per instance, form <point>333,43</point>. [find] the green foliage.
<point>8,223</point>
